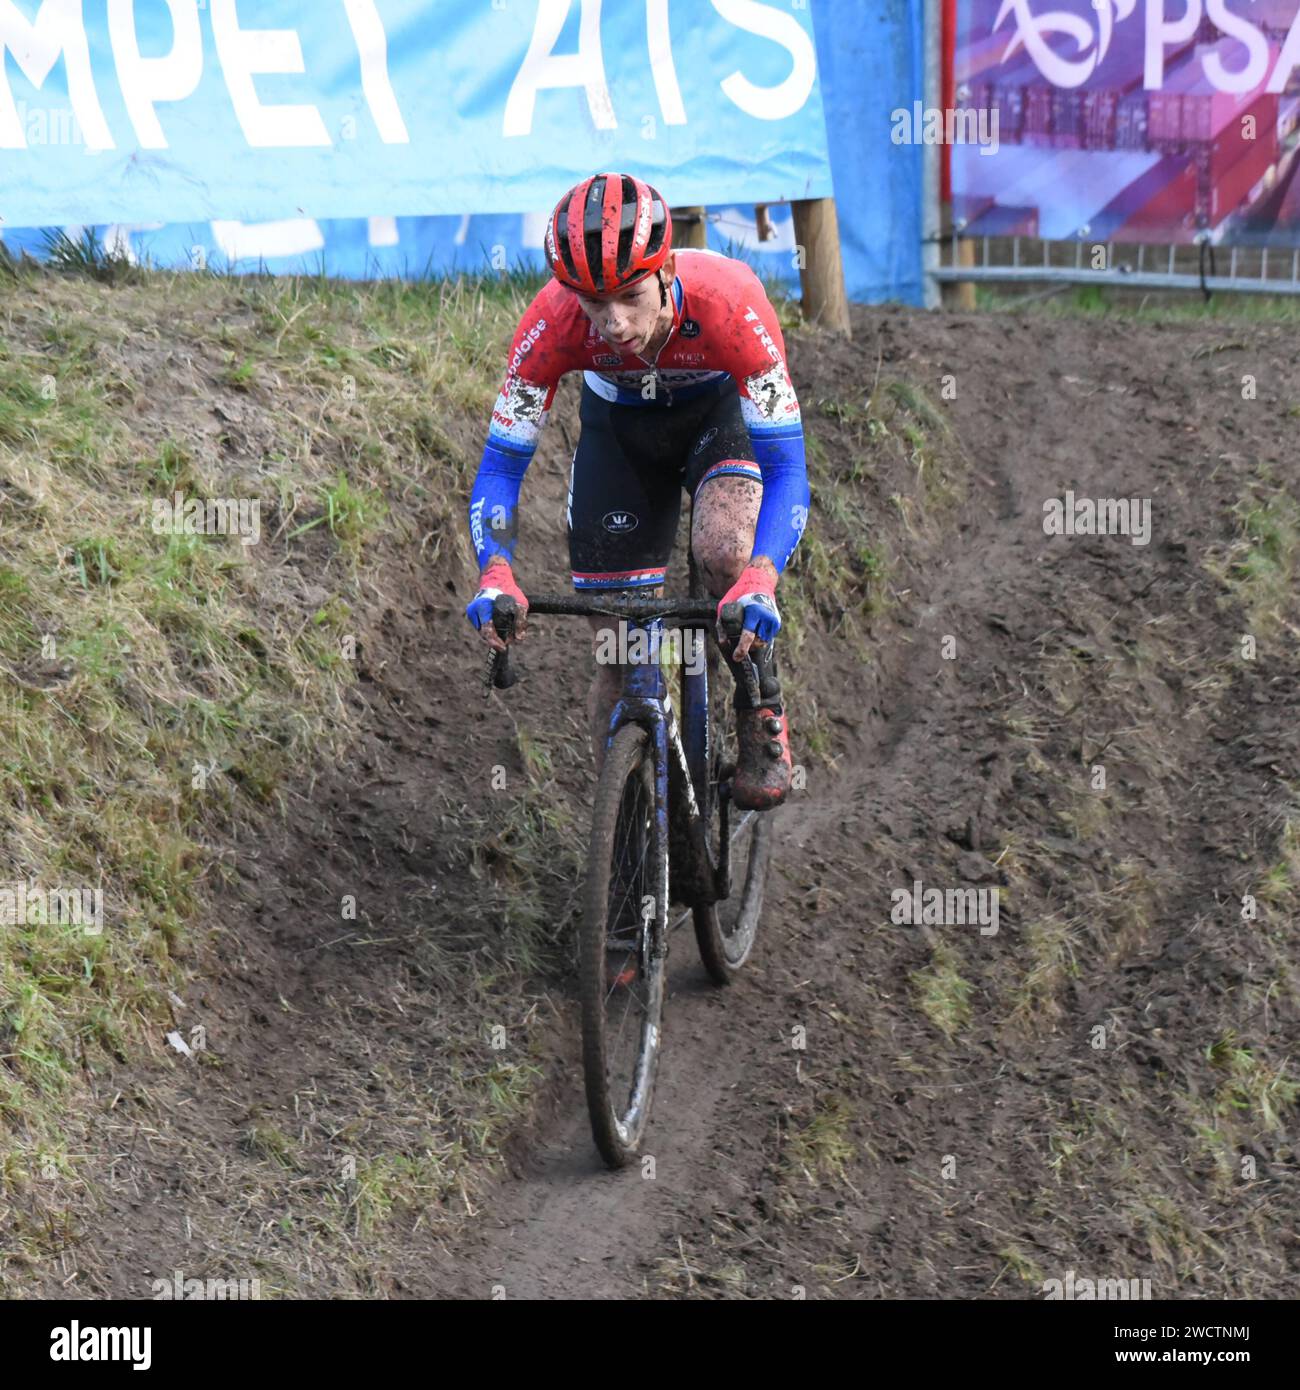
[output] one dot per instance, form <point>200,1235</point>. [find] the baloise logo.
<point>620,521</point>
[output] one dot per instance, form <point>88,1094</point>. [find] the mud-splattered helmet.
<point>608,232</point>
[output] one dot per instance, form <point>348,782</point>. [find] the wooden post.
<point>965,297</point>
<point>957,294</point>
<point>691,231</point>
<point>817,233</point>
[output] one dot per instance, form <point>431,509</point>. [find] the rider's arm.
<point>771,411</point>
<point>517,420</point>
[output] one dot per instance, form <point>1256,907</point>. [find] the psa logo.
<point>605,359</point>
<point>620,521</point>
<point>690,328</point>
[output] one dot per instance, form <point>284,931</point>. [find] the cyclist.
<point>685,385</point>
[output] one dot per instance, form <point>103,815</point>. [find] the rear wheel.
<point>726,930</point>
<point>621,973</point>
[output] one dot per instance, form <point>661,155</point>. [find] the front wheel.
<point>621,948</point>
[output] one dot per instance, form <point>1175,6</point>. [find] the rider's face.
<point>628,320</point>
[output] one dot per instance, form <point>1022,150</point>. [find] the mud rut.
<point>924,785</point>
<point>565,1228</point>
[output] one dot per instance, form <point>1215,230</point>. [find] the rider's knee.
<point>722,558</point>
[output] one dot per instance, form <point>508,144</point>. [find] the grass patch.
<point>160,684</point>
<point>821,1146</point>
<point>942,994</point>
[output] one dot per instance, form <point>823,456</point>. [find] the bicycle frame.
<point>680,763</point>
<point>647,701</point>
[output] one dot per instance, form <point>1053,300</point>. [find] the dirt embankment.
<point>1101,1085</point>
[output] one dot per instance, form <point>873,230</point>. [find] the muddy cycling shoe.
<point>763,771</point>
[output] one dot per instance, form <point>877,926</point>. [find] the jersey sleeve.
<point>771,412</point>
<point>534,369</point>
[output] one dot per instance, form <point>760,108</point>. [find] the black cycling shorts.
<point>629,469</point>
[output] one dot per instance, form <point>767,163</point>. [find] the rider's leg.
<point>622,520</point>
<point>722,537</point>
<point>607,680</point>
<point>722,528</point>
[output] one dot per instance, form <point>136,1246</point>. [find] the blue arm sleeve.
<point>494,500</point>
<point>783,512</point>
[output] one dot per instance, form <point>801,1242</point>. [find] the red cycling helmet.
<point>608,232</point>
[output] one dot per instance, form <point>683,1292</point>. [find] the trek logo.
<point>706,439</point>
<point>690,328</point>
<point>620,521</point>
<point>763,335</point>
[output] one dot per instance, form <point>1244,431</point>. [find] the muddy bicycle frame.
<point>681,763</point>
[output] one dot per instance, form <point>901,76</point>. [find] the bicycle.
<point>662,831</point>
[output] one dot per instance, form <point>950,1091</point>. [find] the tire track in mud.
<point>929,762</point>
<point>563,1226</point>
<point>566,1227</point>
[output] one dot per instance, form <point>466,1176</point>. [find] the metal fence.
<point>1203,266</point>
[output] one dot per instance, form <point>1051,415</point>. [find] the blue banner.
<point>872,64</point>
<point>230,111</point>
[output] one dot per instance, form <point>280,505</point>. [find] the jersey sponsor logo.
<point>688,357</point>
<point>690,328</point>
<point>526,346</point>
<point>706,439</point>
<point>764,337</point>
<point>606,359</point>
<point>672,378</point>
<point>619,522</point>
<point>476,523</point>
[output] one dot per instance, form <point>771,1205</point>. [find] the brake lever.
<point>500,674</point>
<point>732,624</point>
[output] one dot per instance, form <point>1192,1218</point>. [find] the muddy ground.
<point>877,1110</point>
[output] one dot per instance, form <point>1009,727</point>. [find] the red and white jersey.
<point>723,325</point>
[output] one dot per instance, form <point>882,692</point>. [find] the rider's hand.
<point>755,591</point>
<point>496,579</point>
